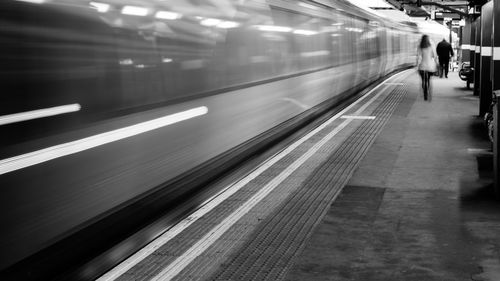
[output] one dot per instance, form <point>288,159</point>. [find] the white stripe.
<point>472,48</point>
<point>478,151</point>
<point>478,49</point>
<point>496,53</point>
<point>214,234</point>
<point>39,113</point>
<point>486,51</point>
<point>43,155</point>
<point>214,201</point>
<point>466,47</point>
<point>357,117</point>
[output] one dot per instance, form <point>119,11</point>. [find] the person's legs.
<point>446,67</point>
<point>429,94</point>
<point>424,75</point>
<point>422,78</point>
<point>441,70</point>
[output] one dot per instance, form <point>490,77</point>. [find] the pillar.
<point>496,87</point>
<point>485,64</point>
<point>477,57</point>
<point>466,44</point>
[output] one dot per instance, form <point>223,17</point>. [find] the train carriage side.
<point>244,69</point>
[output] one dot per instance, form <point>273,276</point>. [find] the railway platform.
<point>421,205</point>
<point>386,189</point>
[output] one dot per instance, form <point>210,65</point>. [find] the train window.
<point>311,46</point>
<point>247,54</point>
<point>217,46</point>
<point>372,36</point>
<point>186,49</point>
<point>141,81</point>
<point>48,63</point>
<point>396,42</point>
<point>307,42</point>
<point>342,39</point>
<point>356,31</point>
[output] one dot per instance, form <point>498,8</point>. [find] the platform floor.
<point>387,190</point>
<point>417,207</point>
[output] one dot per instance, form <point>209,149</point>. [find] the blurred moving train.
<point>114,109</point>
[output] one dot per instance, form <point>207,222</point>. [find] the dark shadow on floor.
<point>464,88</point>
<point>483,193</point>
<point>477,129</point>
<point>479,194</point>
<point>480,201</point>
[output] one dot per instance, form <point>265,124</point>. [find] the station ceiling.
<point>422,8</point>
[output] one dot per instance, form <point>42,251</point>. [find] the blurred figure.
<point>426,64</point>
<point>445,52</point>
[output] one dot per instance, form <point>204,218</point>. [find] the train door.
<point>138,61</point>
<point>141,82</point>
<point>388,52</point>
<point>381,31</point>
<point>396,47</point>
<point>362,66</point>
<point>348,53</point>
<point>373,49</point>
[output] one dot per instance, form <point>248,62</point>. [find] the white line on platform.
<point>470,98</point>
<point>181,262</point>
<point>38,113</point>
<point>357,117</point>
<point>478,151</point>
<point>53,152</point>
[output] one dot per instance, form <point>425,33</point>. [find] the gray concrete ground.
<point>417,207</point>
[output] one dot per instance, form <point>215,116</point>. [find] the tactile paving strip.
<point>269,254</point>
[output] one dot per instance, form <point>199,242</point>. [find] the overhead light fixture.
<point>228,24</point>
<point>101,7</point>
<point>167,15</point>
<point>210,22</point>
<point>274,28</point>
<point>305,32</point>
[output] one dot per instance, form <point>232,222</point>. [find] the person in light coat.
<point>426,64</point>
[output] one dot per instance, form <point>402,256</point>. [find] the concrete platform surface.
<point>417,207</point>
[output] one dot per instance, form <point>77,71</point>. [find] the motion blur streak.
<point>39,113</point>
<point>43,155</point>
<point>357,117</point>
<point>33,1</point>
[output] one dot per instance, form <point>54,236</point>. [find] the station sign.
<point>446,16</point>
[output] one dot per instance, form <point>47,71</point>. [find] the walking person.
<point>444,52</point>
<point>426,64</point>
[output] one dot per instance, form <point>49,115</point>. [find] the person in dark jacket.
<point>444,52</point>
